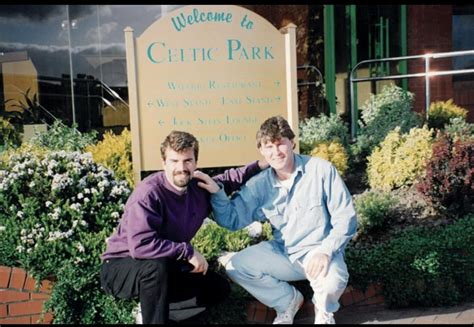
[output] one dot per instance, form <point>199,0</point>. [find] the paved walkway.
<point>460,314</point>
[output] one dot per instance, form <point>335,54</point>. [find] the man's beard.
<point>181,178</point>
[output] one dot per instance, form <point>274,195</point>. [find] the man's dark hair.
<point>179,141</point>
<point>273,129</point>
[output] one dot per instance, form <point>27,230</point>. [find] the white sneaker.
<point>324,318</point>
<point>287,316</point>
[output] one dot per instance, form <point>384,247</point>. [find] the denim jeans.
<point>264,271</point>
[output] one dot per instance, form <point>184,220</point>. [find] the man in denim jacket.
<point>312,218</point>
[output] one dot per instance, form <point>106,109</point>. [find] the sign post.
<point>214,71</point>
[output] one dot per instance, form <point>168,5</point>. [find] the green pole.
<point>387,45</point>
<point>403,45</point>
<point>330,57</point>
<point>351,15</point>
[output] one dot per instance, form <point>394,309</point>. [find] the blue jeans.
<point>264,271</point>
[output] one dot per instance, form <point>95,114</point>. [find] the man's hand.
<point>207,182</point>
<point>317,265</point>
<point>199,262</point>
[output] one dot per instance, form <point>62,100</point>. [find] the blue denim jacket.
<point>315,213</point>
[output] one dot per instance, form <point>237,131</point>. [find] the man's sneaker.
<point>287,316</point>
<point>324,318</point>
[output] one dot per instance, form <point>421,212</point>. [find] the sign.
<point>216,72</point>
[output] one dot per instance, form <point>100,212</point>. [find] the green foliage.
<point>333,152</point>
<point>62,137</point>
<point>211,240</point>
<point>29,110</point>
<point>9,136</point>
<point>458,128</point>
<point>381,114</point>
<point>115,152</point>
<point>400,159</point>
<point>322,129</point>
<point>423,266</point>
<point>441,112</point>
<point>373,209</point>
<point>56,210</point>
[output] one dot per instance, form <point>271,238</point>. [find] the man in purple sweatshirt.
<point>149,255</point>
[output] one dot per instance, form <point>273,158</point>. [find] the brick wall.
<point>430,30</point>
<point>20,303</point>
<point>464,97</point>
<point>352,298</point>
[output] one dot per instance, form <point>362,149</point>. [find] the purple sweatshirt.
<point>159,221</point>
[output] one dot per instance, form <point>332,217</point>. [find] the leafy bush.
<point>61,137</point>
<point>56,209</point>
<point>373,209</point>
<point>381,114</point>
<point>449,180</point>
<point>400,159</point>
<point>9,136</point>
<point>322,129</point>
<point>28,111</point>
<point>423,266</point>
<point>441,112</point>
<point>211,239</point>
<point>115,152</point>
<point>333,152</point>
<point>458,128</point>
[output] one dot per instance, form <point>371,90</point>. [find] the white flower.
<point>76,207</point>
<point>80,247</point>
<point>19,214</point>
<point>115,214</point>
<point>86,200</point>
<point>80,196</point>
<point>2,228</point>
<point>78,259</point>
<point>32,184</point>
<point>48,204</point>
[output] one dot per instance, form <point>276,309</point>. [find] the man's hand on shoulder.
<point>207,182</point>
<point>199,262</point>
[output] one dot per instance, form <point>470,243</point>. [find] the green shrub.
<point>441,112</point>
<point>333,152</point>
<point>458,128</point>
<point>61,137</point>
<point>56,210</point>
<point>400,159</point>
<point>322,129</point>
<point>380,115</point>
<point>211,239</point>
<point>420,266</point>
<point>9,136</point>
<point>449,179</point>
<point>373,208</point>
<point>115,152</point>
